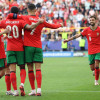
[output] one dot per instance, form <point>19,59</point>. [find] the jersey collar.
<point>92,29</point>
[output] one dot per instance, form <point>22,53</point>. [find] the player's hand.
<point>41,20</point>
<point>65,41</point>
<point>7,31</point>
<point>5,37</point>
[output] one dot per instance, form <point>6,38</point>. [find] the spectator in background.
<point>52,38</point>
<point>82,44</point>
<point>55,20</point>
<point>64,37</point>
<point>84,22</point>
<point>79,17</point>
<point>71,47</point>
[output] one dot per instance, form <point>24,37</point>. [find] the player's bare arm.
<point>5,31</point>
<point>72,38</point>
<point>32,26</point>
<point>61,24</point>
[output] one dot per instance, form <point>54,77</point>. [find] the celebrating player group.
<point>21,51</point>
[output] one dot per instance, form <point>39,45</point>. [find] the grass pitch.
<point>63,79</point>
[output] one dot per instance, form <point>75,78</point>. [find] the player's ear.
<point>35,10</point>
<point>27,10</point>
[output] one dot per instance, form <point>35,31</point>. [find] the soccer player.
<point>4,70</point>
<point>92,34</point>
<point>33,48</point>
<point>15,50</point>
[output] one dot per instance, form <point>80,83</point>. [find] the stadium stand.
<point>72,13</point>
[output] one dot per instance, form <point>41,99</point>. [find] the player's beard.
<point>92,24</point>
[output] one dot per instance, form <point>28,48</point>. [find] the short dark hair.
<point>14,9</point>
<point>93,16</point>
<point>31,6</point>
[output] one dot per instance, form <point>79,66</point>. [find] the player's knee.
<point>1,77</point>
<point>97,67</point>
<point>30,66</point>
<point>7,71</point>
<point>12,67</point>
<point>92,69</point>
<point>37,67</point>
<point>22,67</point>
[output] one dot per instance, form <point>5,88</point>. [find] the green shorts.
<point>93,57</point>
<point>17,57</point>
<point>33,55</point>
<point>2,63</point>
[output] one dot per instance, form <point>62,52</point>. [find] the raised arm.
<point>73,37</point>
<point>53,26</point>
<point>32,26</point>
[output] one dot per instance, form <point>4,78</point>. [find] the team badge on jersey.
<point>97,34</point>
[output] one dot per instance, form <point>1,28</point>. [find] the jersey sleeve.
<point>84,32</point>
<point>23,24</point>
<point>2,24</point>
<point>53,26</point>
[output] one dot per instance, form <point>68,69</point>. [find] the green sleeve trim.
<point>25,26</point>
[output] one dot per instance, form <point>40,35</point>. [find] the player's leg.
<point>96,72</point>
<point>38,78</point>
<point>21,62</point>
<point>38,59</point>
<point>92,67</point>
<point>29,53</point>
<point>5,71</point>
<point>92,62</point>
<point>2,73</point>
<point>11,61</point>
<point>31,78</point>
<point>2,70</point>
<point>97,59</point>
<point>8,82</point>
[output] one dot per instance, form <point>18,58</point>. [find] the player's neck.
<point>31,14</point>
<point>93,27</point>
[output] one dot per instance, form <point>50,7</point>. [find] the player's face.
<point>92,21</point>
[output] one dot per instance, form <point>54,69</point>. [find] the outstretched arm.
<point>5,31</point>
<point>53,26</point>
<point>73,37</point>
<point>32,26</point>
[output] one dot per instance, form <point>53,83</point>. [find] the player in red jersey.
<point>33,48</point>
<point>92,34</point>
<point>4,70</point>
<point>15,50</point>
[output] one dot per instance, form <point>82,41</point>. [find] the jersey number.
<point>89,38</point>
<point>15,31</point>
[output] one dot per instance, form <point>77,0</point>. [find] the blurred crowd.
<point>72,13</point>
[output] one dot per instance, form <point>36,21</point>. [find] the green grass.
<point>63,79</point>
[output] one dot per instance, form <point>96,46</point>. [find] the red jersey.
<point>14,40</point>
<point>2,51</point>
<point>33,38</point>
<point>93,38</point>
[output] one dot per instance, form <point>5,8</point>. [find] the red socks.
<point>96,74</point>
<point>23,75</point>
<point>13,80</point>
<point>8,82</point>
<point>31,79</point>
<point>38,78</point>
